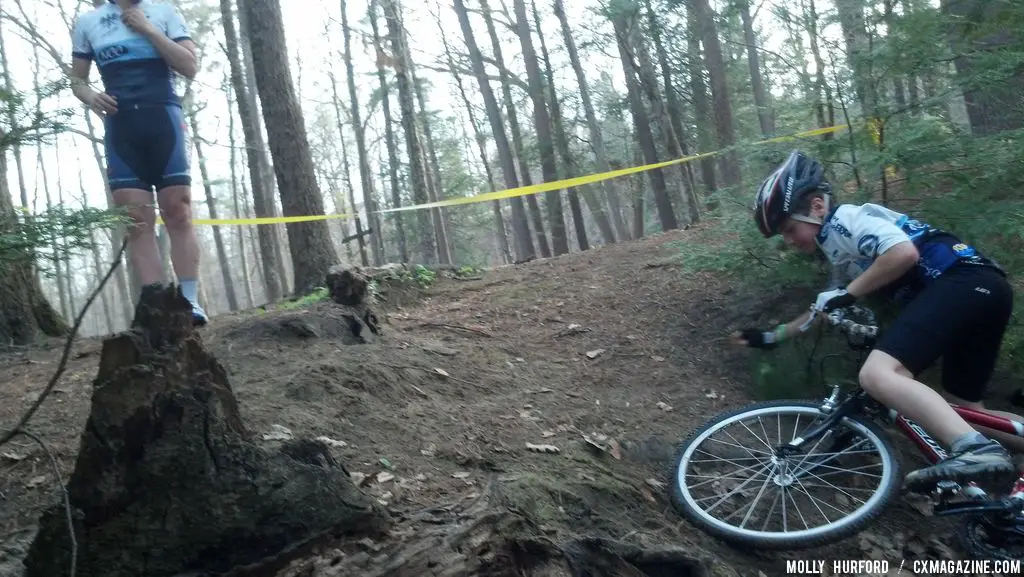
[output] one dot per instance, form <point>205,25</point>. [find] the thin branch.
<point>64,494</point>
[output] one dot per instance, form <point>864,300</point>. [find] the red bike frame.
<point>933,451</point>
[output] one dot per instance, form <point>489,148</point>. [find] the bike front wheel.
<point>731,483</point>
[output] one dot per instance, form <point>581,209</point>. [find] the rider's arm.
<point>170,37</point>
<point>889,266</point>
<point>81,62</point>
<point>80,79</point>
<point>180,56</point>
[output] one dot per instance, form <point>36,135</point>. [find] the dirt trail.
<point>438,411</point>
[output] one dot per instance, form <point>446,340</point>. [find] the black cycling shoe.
<point>983,462</point>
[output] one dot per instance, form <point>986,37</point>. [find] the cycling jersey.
<point>131,68</point>
<point>853,236</point>
<point>146,139</point>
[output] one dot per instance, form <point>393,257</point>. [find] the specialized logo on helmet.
<point>789,195</point>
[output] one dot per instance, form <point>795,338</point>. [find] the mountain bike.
<point>820,453</point>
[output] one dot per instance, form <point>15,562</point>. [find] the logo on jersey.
<point>867,245</point>
<point>963,250</point>
<point>111,53</point>
<point>110,20</point>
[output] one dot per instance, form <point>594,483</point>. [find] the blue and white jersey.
<point>853,236</point>
<point>131,68</point>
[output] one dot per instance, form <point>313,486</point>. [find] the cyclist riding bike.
<point>956,304</point>
<point>138,45</point>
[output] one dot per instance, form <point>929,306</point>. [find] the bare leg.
<point>142,248</point>
<point>1012,442</point>
<point>890,383</point>
<point>176,209</point>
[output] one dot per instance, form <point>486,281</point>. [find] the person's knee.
<point>176,207</point>
<point>141,213</point>
<point>878,372</point>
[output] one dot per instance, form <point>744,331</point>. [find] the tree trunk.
<point>596,138</point>
<point>435,182</point>
<point>365,175</point>
<point>263,204</point>
<point>825,105</point>
<point>347,169</point>
<point>701,102</point>
<point>310,242</point>
<point>542,124</point>
<point>622,22</point>
<point>728,161</point>
<point>562,142</point>
<point>24,311</point>
<point>851,21</point>
<point>265,165</point>
<point>211,204</point>
<point>513,125</point>
<point>417,172</point>
<point>995,106</point>
<point>499,220</point>
<point>237,203</point>
<point>520,227</point>
<point>765,115</point>
<point>675,116</point>
<point>389,137</point>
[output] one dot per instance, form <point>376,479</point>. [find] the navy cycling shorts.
<point>146,148</point>
<point>961,318</point>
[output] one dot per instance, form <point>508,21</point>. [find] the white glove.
<point>833,299</point>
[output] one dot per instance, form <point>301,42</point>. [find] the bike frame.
<point>932,450</point>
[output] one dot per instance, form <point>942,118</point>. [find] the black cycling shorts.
<point>147,148</point>
<point>961,316</point>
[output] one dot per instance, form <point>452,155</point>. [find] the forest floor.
<point>619,341</point>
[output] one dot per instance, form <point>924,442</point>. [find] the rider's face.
<point>801,235</point>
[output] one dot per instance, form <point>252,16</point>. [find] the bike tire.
<point>888,489</point>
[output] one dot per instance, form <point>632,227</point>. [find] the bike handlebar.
<point>837,318</point>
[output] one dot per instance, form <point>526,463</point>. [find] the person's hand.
<point>834,299</point>
<point>136,20</point>
<point>102,103</point>
<point>755,338</point>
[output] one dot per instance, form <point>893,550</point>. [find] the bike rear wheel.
<point>855,448</point>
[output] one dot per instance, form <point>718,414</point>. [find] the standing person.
<point>956,304</point>
<point>138,45</point>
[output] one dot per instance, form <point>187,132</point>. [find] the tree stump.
<point>350,288</point>
<point>168,480</point>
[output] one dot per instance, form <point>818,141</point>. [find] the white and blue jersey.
<point>853,236</point>
<point>145,140</point>
<point>131,68</point>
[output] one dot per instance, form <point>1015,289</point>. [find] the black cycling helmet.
<point>781,192</point>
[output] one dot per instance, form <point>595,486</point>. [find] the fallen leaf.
<point>655,484</point>
<point>331,442</point>
<point>420,477</point>
<point>385,498</point>
<point>35,481</point>
<point>594,353</point>
<point>384,477</point>
<point>664,406</point>
<point>657,359</point>
<point>508,477</point>
<point>461,475</point>
<point>357,478</point>
<point>547,434</point>
<point>429,451</point>
<point>542,448</point>
<point>13,456</point>
<point>384,462</point>
<point>277,433</point>
<point>712,395</point>
<point>441,372</point>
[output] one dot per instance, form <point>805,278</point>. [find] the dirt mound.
<point>476,415</point>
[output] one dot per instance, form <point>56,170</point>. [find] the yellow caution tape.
<point>511,192</point>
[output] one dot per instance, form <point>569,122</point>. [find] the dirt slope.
<point>617,341</point>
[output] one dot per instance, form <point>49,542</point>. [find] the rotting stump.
<point>168,480</point>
